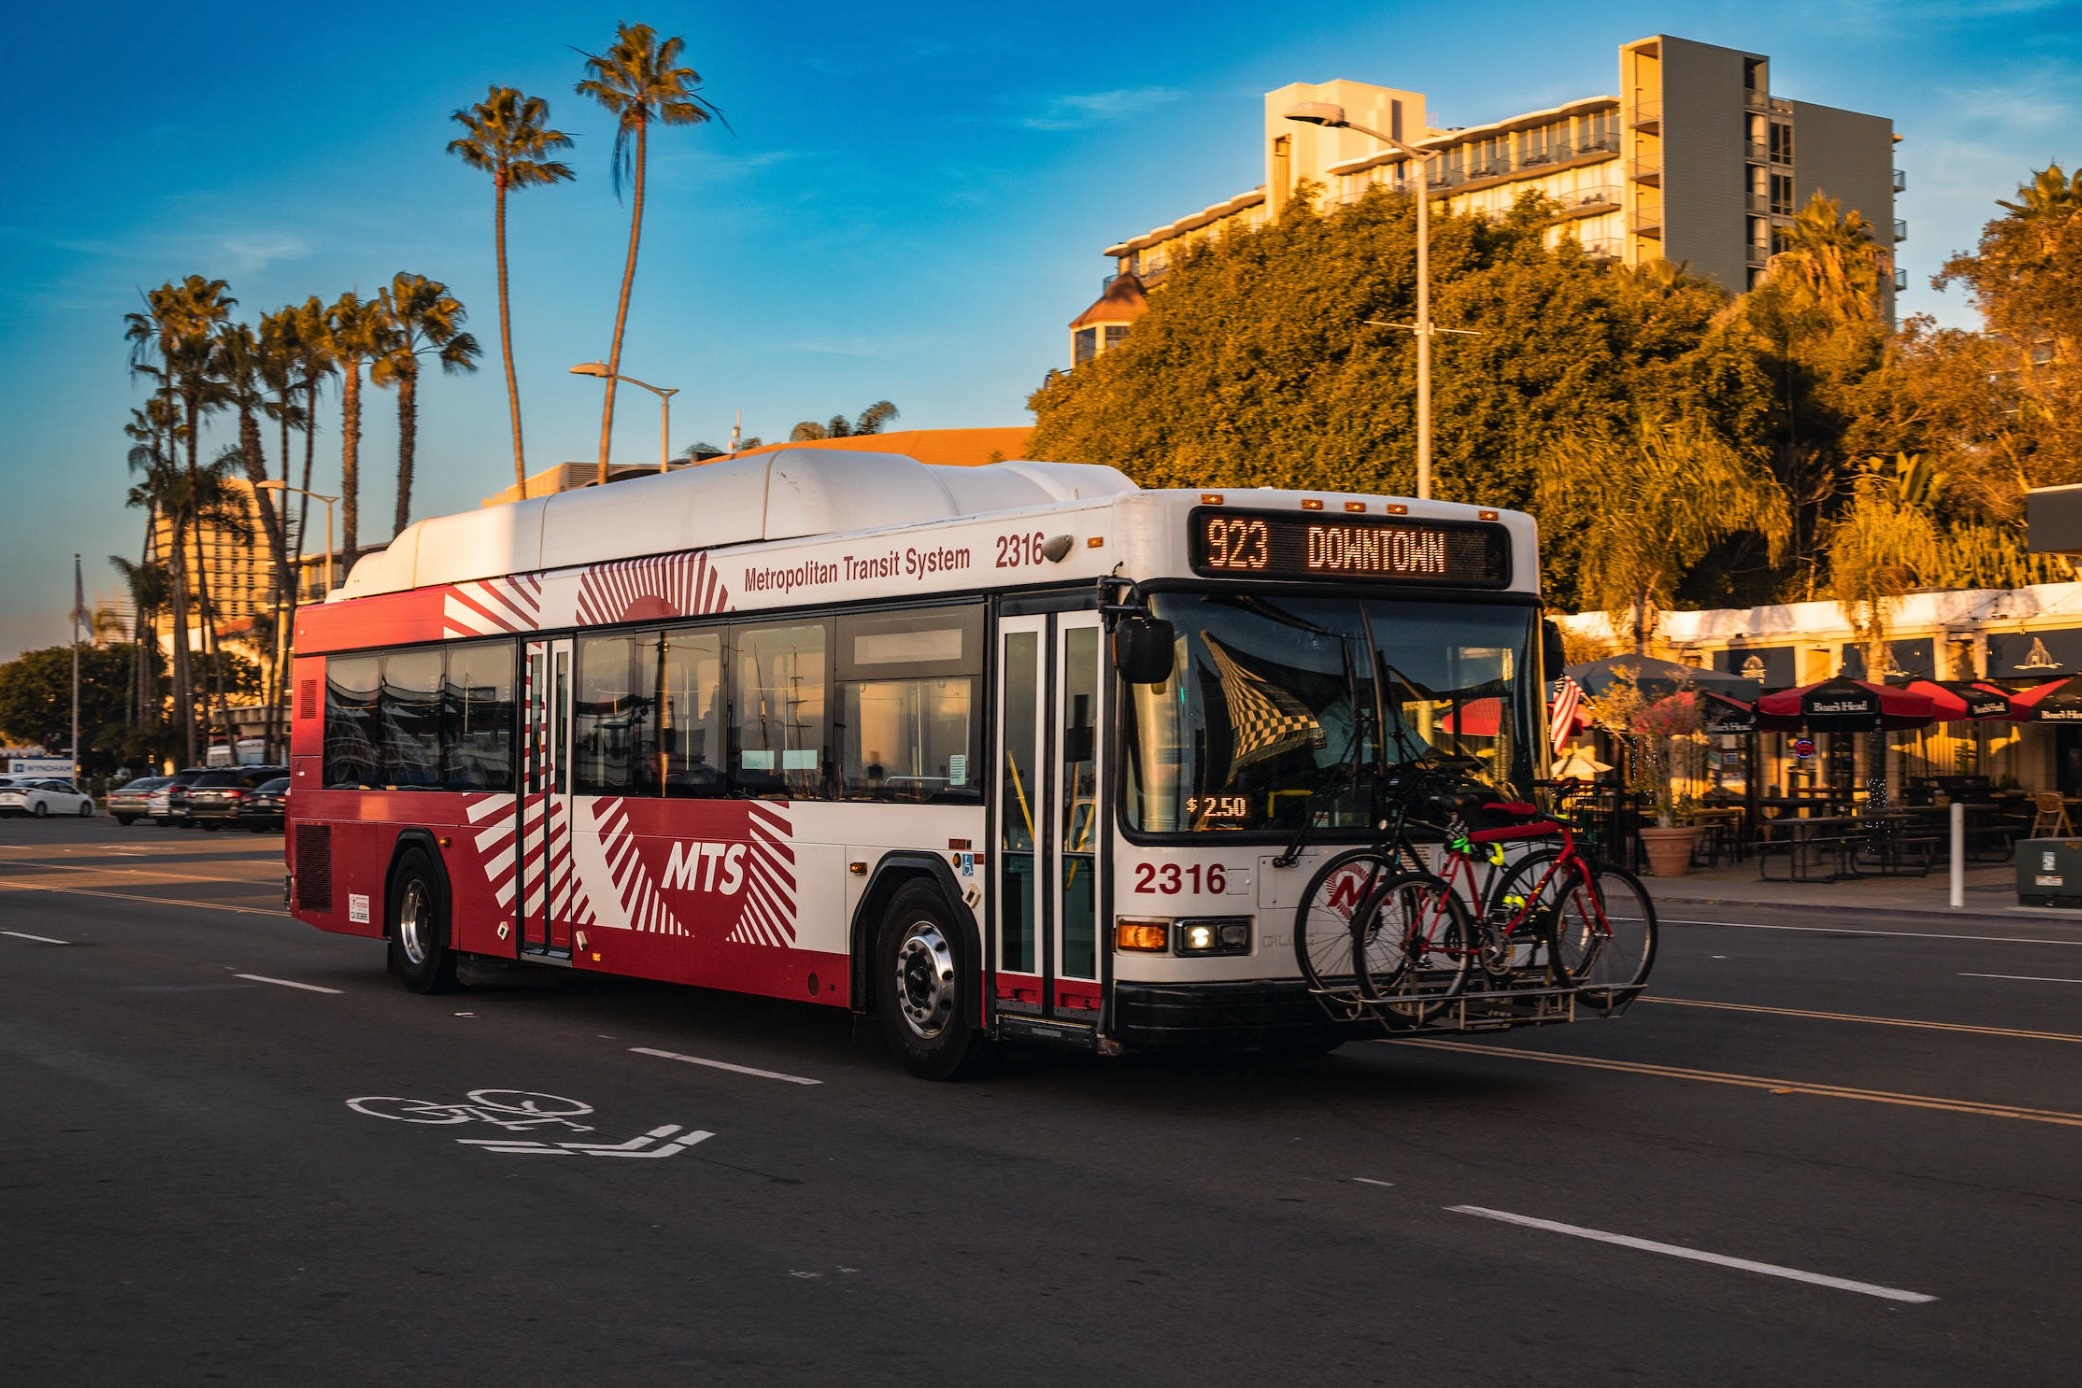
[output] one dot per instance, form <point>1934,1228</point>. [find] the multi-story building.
<point>1694,161</point>
<point>232,554</point>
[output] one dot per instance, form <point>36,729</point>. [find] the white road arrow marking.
<point>634,1147</point>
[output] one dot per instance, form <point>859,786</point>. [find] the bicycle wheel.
<point>1323,921</point>
<point>1520,911</point>
<point>1411,946</point>
<point>527,1101</point>
<point>1605,935</point>
<point>407,1110</point>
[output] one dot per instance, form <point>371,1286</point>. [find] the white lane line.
<point>1370,1181</point>
<point>1889,934</point>
<point>287,983</point>
<point>39,939</point>
<point>1676,1251</point>
<point>724,1065</point>
<point>2024,978</point>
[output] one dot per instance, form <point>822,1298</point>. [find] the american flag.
<point>1264,719</point>
<point>1563,710</point>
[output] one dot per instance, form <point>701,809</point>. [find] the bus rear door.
<point>545,850</point>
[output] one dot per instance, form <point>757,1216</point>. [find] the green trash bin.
<point>2049,873</point>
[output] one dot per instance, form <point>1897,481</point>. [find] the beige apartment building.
<point>1695,160</point>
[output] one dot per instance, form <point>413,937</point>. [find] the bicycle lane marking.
<point>1698,1255</point>
<point>497,1108</point>
<point>1774,1086</point>
<point>2013,1032</point>
<point>1884,934</point>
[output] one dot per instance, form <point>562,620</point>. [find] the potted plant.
<point>1666,751</point>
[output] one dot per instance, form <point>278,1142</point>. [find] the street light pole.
<point>1332,116</point>
<point>273,486</point>
<point>664,394</point>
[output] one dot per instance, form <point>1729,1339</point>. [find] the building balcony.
<point>1756,151</point>
<point>1651,229</point>
<point>1900,230</point>
<point>1901,180</point>
<point>1647,117</point>
<point>1649,171</point>
<point>1900,280</point>
<point>1756,254</point>
<point>1756,100</point>
<point>1590,202</point>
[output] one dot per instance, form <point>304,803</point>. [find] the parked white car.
<point>43,798</point>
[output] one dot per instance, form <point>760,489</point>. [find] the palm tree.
<point>870,422</point>
<point>509,135</point>
<point>178,327</point>
<point>1831,260</point>
<point>1651,499</point>
<point>420,318</point>
<point>311,343</point>
<point>240,363</point>
<point>2049,196</point>
<point>351,338</point>
<point>640,82</point>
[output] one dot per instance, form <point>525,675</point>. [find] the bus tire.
<point>926,989</point>
<point>418,925</point>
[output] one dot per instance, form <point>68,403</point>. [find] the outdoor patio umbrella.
<point>1957,701</point>
<point>1658,677</point>
<point>2058,701</point>
<point>1845,706</point>
<point>1578,766</point>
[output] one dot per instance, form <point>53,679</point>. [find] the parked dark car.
<point>169,803</point>
<point>261,810</point>
<point>215,797</point>
<point>130,802</point>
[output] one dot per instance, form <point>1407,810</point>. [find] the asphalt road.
<point>1834,1156</point>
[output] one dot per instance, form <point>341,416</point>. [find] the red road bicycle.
<point>1379,933</point>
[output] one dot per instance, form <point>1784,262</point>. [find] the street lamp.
<point>273,486</point>
<point>1332,116</point>
<point>664,394</point>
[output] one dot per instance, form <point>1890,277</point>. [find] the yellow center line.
<point>15,884</point>
<point>266,879</point>
<point>1825,1091</point>
<point>1870,1021</point>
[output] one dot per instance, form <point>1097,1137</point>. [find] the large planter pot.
<point>1670,850</point>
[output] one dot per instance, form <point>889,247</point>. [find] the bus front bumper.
<point>1219,1016</point>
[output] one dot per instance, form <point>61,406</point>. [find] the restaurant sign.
<point>1770,665</point>
<point>1906,660</point>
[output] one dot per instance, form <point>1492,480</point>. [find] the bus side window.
<point>351,737</point>
<point>410,716</point>
<point>690,711</point>
<point>778,744</point>
<point>614,730</point>
<point>477,717</point>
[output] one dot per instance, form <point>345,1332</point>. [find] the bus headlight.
<point>1212,935</point>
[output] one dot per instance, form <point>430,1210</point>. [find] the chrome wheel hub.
<point>925,979</point>
<point>414,923</point>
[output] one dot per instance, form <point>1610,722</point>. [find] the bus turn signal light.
<point>1147,937</point>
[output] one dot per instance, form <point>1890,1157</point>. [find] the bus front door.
<point>1051,683</point>
<point>545,886</point>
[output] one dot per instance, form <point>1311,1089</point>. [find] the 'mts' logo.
<point>706,867</point>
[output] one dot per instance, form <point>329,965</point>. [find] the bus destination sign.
<point>1365,549</point>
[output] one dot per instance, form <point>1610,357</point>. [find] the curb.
<point>2012,915</point>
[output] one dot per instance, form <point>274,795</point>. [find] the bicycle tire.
<point>1416,925</point>
<point>1323,921</point>
<point>1615,958</point>
<point>559,1107</point>
<point>416,1110</point>
<point>1527,888</point>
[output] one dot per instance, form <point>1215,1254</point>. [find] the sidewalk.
<point>1991,896</point>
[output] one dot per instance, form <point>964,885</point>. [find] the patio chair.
<point>2051,819</point>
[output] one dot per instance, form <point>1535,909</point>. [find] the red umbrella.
<point>2058,701</point>
<point>1476,718</point>
<point>1957,701</point>
<point>1843,706</point>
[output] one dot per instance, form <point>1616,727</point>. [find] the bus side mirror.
<point>1551,653</point>
<point>1142,649</point>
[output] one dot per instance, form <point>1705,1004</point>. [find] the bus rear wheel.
<point>418,921</point>
<point>925,988</point>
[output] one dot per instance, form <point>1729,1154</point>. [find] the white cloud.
<point>1074,112</point>
<point>256,250</point>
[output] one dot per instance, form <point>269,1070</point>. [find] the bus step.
<point>1035,1029</point>
<point>488,971</point>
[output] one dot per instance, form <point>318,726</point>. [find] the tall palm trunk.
<point>520,461</point>
<point>408,444</point>
<point>350,455</point>
<point>621,315</point>
<point>303,506</point>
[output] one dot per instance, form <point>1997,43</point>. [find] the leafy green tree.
<point>419,318</point>
<point>870,421</point>
<point>1656,495</point>
<point>509,135</point>
<point>36,696</point>
<point>640,81</point>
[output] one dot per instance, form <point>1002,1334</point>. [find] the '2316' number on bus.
<point>1237,544</point>
<point>1169,879</point>
<point>1017,550</point>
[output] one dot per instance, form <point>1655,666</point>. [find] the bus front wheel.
<point>419,952</point>
<point>925,988</point>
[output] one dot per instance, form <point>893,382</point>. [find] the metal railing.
<point>1756,151</point>
<point>1900,280</point>
<point>1900,230</point>
<point>1901,180</point>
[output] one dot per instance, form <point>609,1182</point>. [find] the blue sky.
<point>909,205</point>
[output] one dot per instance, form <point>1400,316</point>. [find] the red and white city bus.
<point>847,729</point>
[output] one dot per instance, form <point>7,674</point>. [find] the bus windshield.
<point>1276,701</point>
